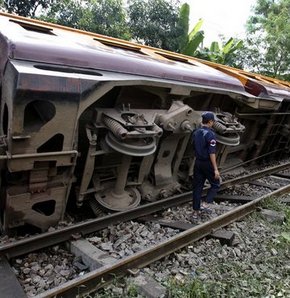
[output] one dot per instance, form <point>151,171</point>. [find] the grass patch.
<point>263,269</point>
<point>236,283</point>
<point>273,203</point>
<point>276,205</point>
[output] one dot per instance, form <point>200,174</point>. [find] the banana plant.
<point>220,54</point>
<point>189,42</point>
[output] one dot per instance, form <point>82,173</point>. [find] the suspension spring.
<point>218,127</point>
<point>115,127</point>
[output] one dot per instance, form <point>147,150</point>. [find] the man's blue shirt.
<point>204,142</point>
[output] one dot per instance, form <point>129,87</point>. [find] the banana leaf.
<point>194,43</point>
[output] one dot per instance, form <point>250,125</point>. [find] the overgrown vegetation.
<point>267,45</point>
<point>255,276</point>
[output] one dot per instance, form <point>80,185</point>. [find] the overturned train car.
<point>88,117</point>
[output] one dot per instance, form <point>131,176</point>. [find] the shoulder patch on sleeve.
<point>212,142</point>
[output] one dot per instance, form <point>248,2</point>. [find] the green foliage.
<point>189,42</point>
<point>183,25</point>
<point>106,17</point>
<point>268,41</point>
<point>191,288</point>
<point>109,18</point>
<point>132,291</point>
<point>67,12</point>
<point>286,236</point>
<point>154,23</point>
<point>26,8</point>
<point>193,44</point>
<point>274,203</point>
<point>194,40</point>
<point>224,54</point>
<point>230,287</point>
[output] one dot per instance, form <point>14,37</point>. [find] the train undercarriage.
<point>71,133</point>
<point>131,143</point>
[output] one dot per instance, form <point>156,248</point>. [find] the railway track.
<point>93,279</point>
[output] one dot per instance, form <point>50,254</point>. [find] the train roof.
<point>32,40</point>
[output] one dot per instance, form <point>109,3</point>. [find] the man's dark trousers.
<point>203,170</point>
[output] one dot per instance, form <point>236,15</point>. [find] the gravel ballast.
<point>257,266</point>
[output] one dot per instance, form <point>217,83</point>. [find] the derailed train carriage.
<point>88,117</point>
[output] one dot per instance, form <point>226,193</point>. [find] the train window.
<point>54,144</point>
<point>37,113</point>
<point>33,27</point>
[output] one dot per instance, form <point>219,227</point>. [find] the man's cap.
<point>208,116</point>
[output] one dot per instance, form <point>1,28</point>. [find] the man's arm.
<point>213,162</point>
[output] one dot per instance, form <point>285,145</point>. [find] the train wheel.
<point>129,199</point>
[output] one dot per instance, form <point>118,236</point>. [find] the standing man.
<point>205,167</point>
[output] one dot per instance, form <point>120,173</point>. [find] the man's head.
<point>208,118</point>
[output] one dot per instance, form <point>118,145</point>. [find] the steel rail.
<point>94,279</point>
<point>47,239</point>
<point>255,175</point>
<point>248,161</point>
